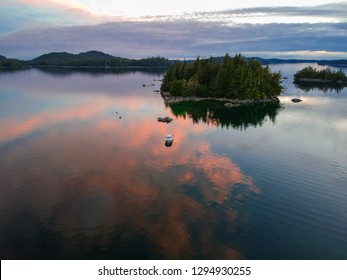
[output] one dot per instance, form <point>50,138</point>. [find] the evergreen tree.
<point>235,77</point>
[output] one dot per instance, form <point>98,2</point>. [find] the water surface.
<point>85,173</point>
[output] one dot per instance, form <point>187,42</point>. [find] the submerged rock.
<point>165,119</point>
<point>296,100</point>
<point>232,104</point>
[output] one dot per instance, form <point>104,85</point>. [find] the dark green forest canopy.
<point>310,74</point>
<point>234,78</point>
<point>10,63</point>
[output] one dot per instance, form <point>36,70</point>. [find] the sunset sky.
<point>174,29</point>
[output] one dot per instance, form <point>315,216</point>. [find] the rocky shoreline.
<point>169,100</point>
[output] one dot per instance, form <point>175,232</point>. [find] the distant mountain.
<point>64,56</point>
<point>99,59</point>
<point>280,61</point>
<point>95,59</point>
<point>95,54</point>
<point>54,57</point>
<point>9,62</point>
<point>92,58</point>
<point>334,63</point>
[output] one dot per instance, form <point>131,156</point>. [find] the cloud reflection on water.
<point>101,187</point>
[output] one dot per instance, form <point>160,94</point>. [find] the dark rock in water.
<point>296,100</point>
<point>166,119</point>
<point>232,104</point>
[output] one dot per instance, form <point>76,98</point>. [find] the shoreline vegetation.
<point>236,81</point>
<point>313,75</point>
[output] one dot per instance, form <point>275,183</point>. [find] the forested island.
<point>84,59</point>
<point>235,78</point>
<point>326,75</point>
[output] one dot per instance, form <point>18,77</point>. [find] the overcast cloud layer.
<point>302,32</point>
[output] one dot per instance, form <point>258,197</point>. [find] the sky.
<point>175,29</point>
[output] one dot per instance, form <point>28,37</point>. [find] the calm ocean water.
<point>85,173</point>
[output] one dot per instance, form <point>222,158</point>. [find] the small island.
<point>236,80</point>
<point>326,75</point>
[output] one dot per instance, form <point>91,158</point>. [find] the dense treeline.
<point>235,78</point>
<point>10,63</point>
<point>87,59</point>
<point>324,75</point>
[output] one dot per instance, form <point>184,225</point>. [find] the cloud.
<point>314,14</point>
<point>155,8</point>
<point>176,39</point>
<point>189,35</point>
<point>19,14</point>
<point>329,10</point>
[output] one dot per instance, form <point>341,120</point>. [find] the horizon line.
<point>285,55</point>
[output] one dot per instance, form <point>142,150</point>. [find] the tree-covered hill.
<point>91,58</point>
<point>234,78</point>
<point>54,58</point>
<point>84,59</point>
<point>9,62</point>
<point>95,54</point>
<point>96,59</point>
<point>334,63</point>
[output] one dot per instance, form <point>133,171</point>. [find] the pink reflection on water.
<point>83,182</point>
